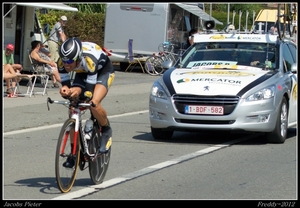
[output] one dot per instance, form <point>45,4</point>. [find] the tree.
<point>89,8</point>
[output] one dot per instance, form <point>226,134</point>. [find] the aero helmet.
<point>70,50</point>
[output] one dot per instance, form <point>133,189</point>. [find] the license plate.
<point>204,109</point>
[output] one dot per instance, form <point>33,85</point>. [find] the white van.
<point>21,26</point>
<point>149,24</point>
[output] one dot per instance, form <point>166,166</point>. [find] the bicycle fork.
<point>74,138</point>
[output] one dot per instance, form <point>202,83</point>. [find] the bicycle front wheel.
<point>65,177</point>
<point>99,166</point>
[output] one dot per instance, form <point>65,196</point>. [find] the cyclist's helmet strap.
<point>71,49</point>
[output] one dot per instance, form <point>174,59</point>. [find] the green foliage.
<point>86,26</point>
<point>89,8</point>
<point>219,11</point>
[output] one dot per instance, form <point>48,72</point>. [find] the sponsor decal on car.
<point>210,80</point>
<point>210,63</point>
<point>220,72</point>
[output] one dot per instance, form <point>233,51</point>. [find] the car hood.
<point>212,81</point>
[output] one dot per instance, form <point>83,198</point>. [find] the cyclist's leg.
<point>104,81</point>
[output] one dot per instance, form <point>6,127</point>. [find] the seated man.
<point>42,61</point>
<point>8,58</point>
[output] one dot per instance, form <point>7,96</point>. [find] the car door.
<point>290,59</point>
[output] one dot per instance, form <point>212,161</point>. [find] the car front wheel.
<point>278,135</point>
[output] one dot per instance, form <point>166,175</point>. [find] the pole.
<point>228,11</point>
<point>233,15</point>
<point>247,14</point>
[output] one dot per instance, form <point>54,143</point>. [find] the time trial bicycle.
<point>73,145</point>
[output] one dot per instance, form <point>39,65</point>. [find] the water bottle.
<point>88,129</point>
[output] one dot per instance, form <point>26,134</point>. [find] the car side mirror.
<point>294,68</point>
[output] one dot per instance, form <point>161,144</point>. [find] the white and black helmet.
<point>70,50</point>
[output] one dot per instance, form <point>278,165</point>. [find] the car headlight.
<point>263,94</point>
<point>159,89</point>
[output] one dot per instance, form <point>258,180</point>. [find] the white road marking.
<point>130,176</point>
<point>60,124</point>
<point>112,182</point>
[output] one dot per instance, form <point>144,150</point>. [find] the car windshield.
<point>260,55</point>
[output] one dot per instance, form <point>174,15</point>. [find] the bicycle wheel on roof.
<point>285,14</point>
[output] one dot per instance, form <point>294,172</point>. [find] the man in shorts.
<point>57,35</point>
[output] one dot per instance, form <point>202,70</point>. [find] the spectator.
<point>8,72</point>
<point>44,50</point>
<point>190,39</point>
<point>39,59</point>
<point>57,35</point>
<point>273,30</point>
<point>8,58</point>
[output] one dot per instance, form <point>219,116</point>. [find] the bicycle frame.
<point>68,149</point>
<point>75,113</point>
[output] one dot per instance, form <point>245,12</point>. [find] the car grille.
<point>228,102</point>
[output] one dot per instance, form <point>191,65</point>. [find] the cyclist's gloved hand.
<point>64,91</point>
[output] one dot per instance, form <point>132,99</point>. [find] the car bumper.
<point>255,116</point>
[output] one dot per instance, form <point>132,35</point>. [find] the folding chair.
<point>32,80</point>
<point>133,59</point>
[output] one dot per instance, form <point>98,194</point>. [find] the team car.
<point>234,82</point>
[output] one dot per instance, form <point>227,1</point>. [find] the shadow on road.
<point>48,185</point>
<point>213,137</point>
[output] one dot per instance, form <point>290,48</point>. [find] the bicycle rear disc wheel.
<point>65,177</point>
<point>98,168</point>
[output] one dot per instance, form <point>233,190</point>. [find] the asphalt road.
<point>206,166</point>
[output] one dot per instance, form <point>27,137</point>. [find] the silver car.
<point>234,82</point>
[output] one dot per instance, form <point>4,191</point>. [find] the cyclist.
<point>95,73</point>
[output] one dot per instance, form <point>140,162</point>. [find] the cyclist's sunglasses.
<point>70,61</point>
